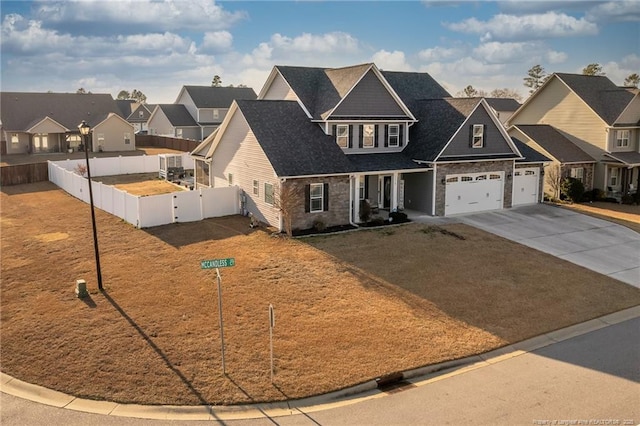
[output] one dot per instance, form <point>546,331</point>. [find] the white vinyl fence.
<point>145,211</point>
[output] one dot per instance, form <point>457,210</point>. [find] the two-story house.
<point>207,107</point>
<point>48,122</point>
<point>332,138</point>
<point>600,118</point>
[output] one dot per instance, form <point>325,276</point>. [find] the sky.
<point>158,46</point>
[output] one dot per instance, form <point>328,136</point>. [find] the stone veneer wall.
<point>442,170</point>
<point>338,213</point>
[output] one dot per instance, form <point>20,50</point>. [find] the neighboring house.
<point>321,141</point>
<point>596,115</point>
<point>48,122</point>
<point>208,105</point>
<point>173,120</point>
<point>139,116</point>
<point>503,107</point>
<point>571,160</point>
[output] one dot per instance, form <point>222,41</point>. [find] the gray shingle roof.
<point>530,155</point>
<point>413,86</point>
<point>293,145</point>
<point>503,104</point>
<point>438,120</point>
<point>631,159</point>
<point>555,143</point>
<point>218,97</point>
<point>381,162</point>
<point>600,93</point>
<point>21,110</point>
<point>178,115</point>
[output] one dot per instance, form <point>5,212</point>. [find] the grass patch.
<point>349,307</point>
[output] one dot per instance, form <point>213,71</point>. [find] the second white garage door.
<point>525,186</point>
<point>473,192</point>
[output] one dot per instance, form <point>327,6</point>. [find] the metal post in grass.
<point>84,131</point>
<point>272,323</point>
<point>219,279</point>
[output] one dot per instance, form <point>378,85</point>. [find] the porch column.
<point>355,197</point>
<point>394,192</point>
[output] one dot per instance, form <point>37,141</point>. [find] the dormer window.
<point>622,138</point>
<point>394,135</point>
<point>342,135</point>
<point>477,140</point>
<point>368,134</point>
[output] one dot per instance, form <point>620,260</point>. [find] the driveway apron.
<point>596,244</point>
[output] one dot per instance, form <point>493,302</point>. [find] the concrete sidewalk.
<point>352,395</point>
<point>596,244</point>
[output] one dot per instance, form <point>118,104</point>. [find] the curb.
<point>347,396</point>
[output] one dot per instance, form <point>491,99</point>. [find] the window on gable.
<point>368,135</point>
<point>14,138</point>
<point>141,114</point>
<point>230,178</point>
<point>478,136</point>
<point>577,173</point>
<point>394,135</point>
<point>622,138</point>
<point>316,197</point>
<point>256,187</point>
<point>127,138</point>
<point>268,193</point>
<point>342,135</point>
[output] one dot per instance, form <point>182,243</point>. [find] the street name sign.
<point>217,263</point>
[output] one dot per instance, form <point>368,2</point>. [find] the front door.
<point>386,198</point>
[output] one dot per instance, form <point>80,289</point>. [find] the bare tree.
<point>286,197</point>
<point>554,179</point>
<point>506,93</point>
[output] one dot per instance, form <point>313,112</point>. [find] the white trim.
<point>47,118</point>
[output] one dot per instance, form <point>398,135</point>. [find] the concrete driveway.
<point>596,244</point>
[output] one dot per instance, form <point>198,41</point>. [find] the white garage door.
<point>525,186</point>
<point>473,192</point>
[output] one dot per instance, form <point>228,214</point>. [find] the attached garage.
<point>473,192</point>
<point>526,184</point>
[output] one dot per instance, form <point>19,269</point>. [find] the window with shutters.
<point>316,197</point>
<point>478,136</point>
<point>368,135</point>
<point>342,135</point>
<point>394,135</point>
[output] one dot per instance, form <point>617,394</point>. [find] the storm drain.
<point>393,383</point>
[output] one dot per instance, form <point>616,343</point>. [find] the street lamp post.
<point>84,131</point>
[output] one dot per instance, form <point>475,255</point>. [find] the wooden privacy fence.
<point>24,173</point>
<point>185,145</point>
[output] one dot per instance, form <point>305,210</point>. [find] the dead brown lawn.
<point>349,307</point>
<point>140,184</point>
<point>623,214</point>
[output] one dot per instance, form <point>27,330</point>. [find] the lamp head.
<point>84,128</point>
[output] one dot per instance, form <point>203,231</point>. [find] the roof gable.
<point>217,97</point>
<point>177,114</point>
<point>293,145</point>
<point>19,111</point>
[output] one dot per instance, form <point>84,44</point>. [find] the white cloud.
<point>618,71</point>
<point>527,27</point>
<point>165,15</point>
<point>218,41</point>
<point>28,36</point>
<point>440,53</point>
<point>495,52</point>
<point>392,61</point>
<point>309,43</point>
<point>625,10</point>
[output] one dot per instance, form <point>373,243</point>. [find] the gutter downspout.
<point>433,190</point>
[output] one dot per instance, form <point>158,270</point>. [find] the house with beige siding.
<point>600,118</point>
<point>337,139</point>
<point>48,122</point>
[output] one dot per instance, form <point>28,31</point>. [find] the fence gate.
<point>187,206</point>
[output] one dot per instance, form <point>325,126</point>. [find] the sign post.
<point>217,264</point>
<point>272,323</point>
